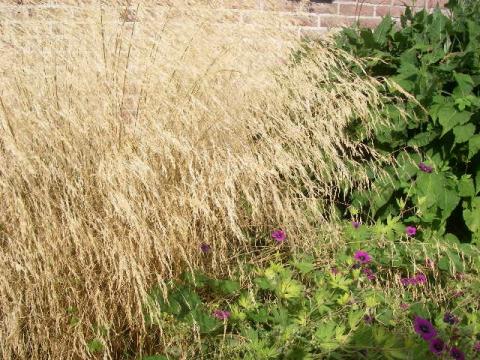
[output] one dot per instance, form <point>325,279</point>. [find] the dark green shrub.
<point>362,300</point>
<point>434,133</point>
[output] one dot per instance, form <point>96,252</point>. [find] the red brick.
<point>87,14</point>
<point>130,102</point>
<point>281,5</point>
<point>17,2</point>
<point>375,2</point>
<point>127,114</point>
<point>225,16</point>
<point>152,13</point>
<point>322,8</point>
<point>339,21</point>
<point>336,21</point>
<point>389,10</point>
<point>133,87</point>
<point>50,13</point>
<point>420,3</point>
<point>312,33</point>
<point>371,23</point>
<point>128,15</point>
<point>242,5</point>
<point>302,20</point>
<point>13,13</point>
<point>262,18</point>
<point>53,2</point>
<point>434,3</point>
<point>396,11</point>
<point>356,10</point>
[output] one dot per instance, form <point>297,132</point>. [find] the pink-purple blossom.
<point>424,328</point>
<point>369,274</point>
<point>279,235</point>
<point>205,248</point>
<point>476,347</point>
<point>457,354</point>
<point>411,230</point>
<point>362,257</point>
<point>436,346</point>
<point>356,224</point>
<point>368,319</point>
<point>334,270</point>
<point>449,318</point>
<point>425,168</point>
<point>459,276</point>
<point>420,279</point>
<point>221,314</point>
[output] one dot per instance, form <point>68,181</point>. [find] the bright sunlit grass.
<point>125,146</point>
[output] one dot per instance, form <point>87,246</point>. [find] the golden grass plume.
<point>124,146</point>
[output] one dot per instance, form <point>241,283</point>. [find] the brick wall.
<point>301,15</point>
<point>25,24</point>
<point>321,15</point>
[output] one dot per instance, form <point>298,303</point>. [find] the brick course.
<point>305,15</point>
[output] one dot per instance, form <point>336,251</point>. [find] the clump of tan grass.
<point>124,146</point>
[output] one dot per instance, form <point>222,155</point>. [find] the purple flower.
<point>459,276</point>
<point>425,168</point>
<point>221,314</point>
<point>476,347</point>
<point>411,230</point>
<point>362,257</point>
<point>416,280</point>
<point>449,318</point>
<point>369,274</point>
<point>356,224</point>
<point>424,328</point>
<point>334,270</point>
<point>279,236</point>
<point>436,346</point>
<point>457,354</point>
<point>205,248</point>
<point>419,279</point>
<point>368,319</point>
<point>404,306</point>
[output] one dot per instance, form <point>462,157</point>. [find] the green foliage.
<point>95,346</point>
<point>184,304</point>
<point>435,58</point>
<point>308,307</point>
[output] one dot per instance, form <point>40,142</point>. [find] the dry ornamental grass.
<point>126,145</point>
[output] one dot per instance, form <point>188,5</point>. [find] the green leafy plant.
<point>95,346</point>
<point>362,300</point>
<point>429,70</point>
